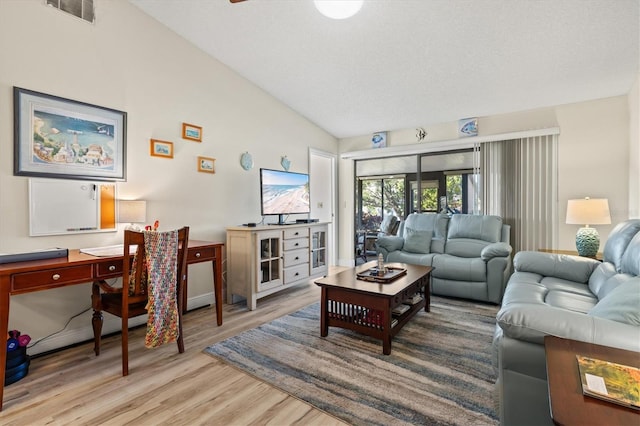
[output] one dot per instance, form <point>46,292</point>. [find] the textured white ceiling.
<point>402,64</point>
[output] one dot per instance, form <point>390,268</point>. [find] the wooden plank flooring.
<point>74,387</point>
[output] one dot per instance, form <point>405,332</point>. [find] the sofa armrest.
<point>572,268</point>
<point>531,322</point>
<point>388,244</point>
<point>495,250</point>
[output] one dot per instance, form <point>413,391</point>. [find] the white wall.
<point>593,159</point>
<point>634,150</point>
<point>130,62</point>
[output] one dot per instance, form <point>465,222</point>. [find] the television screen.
<point>283,192</point>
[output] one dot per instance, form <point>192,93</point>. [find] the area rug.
<point>439,371</point>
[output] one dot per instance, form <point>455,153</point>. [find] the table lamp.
<point>587,212</point>
<point>132,211</point>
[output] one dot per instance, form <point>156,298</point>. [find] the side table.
<point>568,404</point>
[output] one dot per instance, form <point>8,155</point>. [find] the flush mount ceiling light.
<point>338,9</point>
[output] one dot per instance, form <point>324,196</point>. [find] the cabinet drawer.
<point>200,255</point>
<point>294,244</point>
<point>295,257</point>
<point>51,278</point>
<point>296,233</point>
<point>296,273</point>
<point>109,269</point>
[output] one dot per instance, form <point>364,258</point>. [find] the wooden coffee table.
<point>366,307</point>
<point>568,405</point>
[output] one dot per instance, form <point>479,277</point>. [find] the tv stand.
<point>266,259</point>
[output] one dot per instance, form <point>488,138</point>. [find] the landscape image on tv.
<point>284,192</point>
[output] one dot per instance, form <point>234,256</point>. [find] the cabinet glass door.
<point>318,249</point>
<point>269,260</point>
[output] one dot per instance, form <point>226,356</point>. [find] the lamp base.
<point>587,242</point>
<point>133,227</point>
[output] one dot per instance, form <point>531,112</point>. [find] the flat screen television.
<point>283,193</point>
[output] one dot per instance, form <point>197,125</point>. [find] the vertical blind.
<point>520,184</point>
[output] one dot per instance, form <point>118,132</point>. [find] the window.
<point>82,9</point>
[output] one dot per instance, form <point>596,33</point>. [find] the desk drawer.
<point>111,269</point>
<point>204,254</point>
<point>51,278</point>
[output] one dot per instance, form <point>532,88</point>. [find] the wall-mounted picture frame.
<point>55,137</point>
<point>161,148</point>
<point>468,127</point>
<point>379,140</point>
<point>206,164</point>
<point>191,132</point>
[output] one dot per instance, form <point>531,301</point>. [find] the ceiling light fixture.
<point>338,9</point>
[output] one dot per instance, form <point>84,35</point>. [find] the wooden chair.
<point>389,226</point>
<point>133,303</point>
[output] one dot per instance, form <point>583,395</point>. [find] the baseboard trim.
<point>83,331</point>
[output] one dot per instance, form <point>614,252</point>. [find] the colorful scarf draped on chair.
<point>161,250</point>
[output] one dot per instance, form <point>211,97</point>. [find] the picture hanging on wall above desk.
<point>58,206</point>
<point>60,138</point>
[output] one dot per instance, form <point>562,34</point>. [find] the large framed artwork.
<point>56,137</point>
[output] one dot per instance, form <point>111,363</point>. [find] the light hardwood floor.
<point>74,387</point>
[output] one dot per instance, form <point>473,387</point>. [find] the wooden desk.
<point>568,405</point>
<point>80,268</point>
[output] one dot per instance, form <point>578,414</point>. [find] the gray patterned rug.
<point>439,371</point>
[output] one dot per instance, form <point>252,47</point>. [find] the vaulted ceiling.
<point>401,64</point>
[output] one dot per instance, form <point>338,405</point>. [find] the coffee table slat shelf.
<point>366,307</point>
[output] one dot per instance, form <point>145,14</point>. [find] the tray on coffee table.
<point>391,273</point>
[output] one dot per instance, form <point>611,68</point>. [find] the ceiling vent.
<point>82,9</point>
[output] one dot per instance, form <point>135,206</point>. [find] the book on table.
<point>610,381</point>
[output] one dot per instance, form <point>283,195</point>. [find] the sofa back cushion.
<point>417,241</point>
<point>469,234</point>
<point>604,279</point>
<point>618,241</point>
<point>630,263</point>
<point>434,222</point>
<point>622,304</point>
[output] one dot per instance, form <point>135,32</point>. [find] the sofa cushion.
<point>465,247</point>
<point>477,227</point>
<point>435,222</point>
<point>630,263</point>
<point>411,258</point>
<point>459,269</point>
<point>416,241</point>
<point>622,304</point>
<point>572,268</point>
<point>618,240</point>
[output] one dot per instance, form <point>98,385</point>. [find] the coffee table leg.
<point>324,326</point>
<point>386,344</point>
<point>427,293</point>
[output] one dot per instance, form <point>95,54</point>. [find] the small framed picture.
<point>161,148</point>
<point>206,164</point>
<point>468,127</point>
<point>379,140</point>
<point>191,132</point>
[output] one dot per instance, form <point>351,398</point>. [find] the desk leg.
<point>217,283</point>
<point>4,329</point>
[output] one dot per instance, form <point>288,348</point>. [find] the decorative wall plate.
<point>246,161</point>
<point>285,163</point>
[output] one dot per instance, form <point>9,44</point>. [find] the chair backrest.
<point>388,224</point>
<point>136,272</point>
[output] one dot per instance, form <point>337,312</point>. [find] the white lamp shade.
<point>588,211</point>
<point>338,9</point>
<point>132,211</point>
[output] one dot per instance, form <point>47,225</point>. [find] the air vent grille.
<point>82,9</point>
